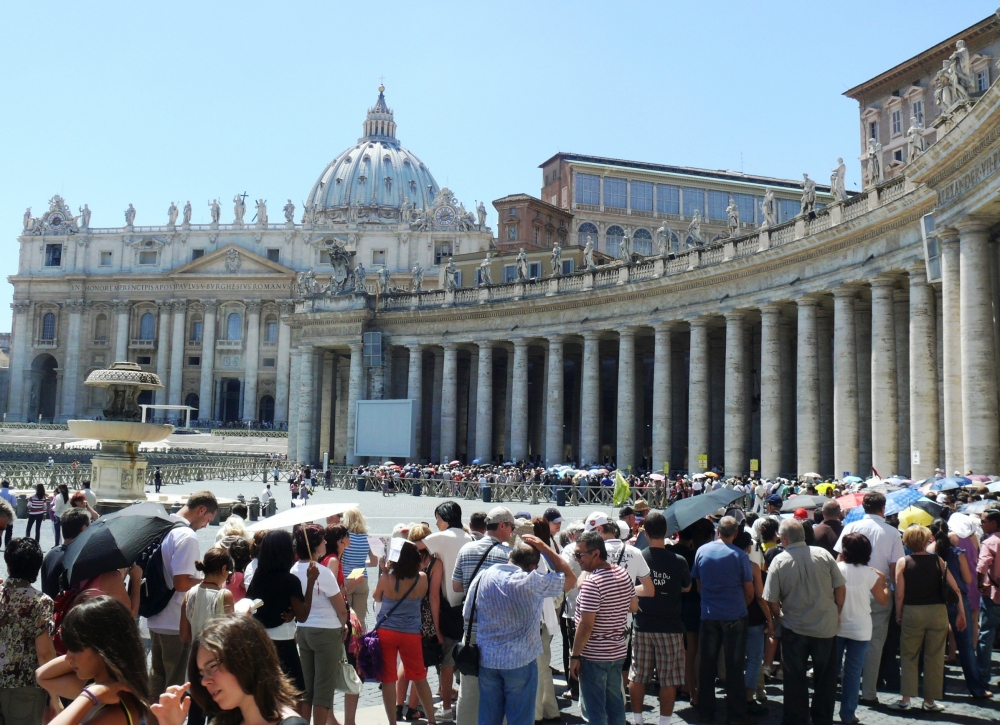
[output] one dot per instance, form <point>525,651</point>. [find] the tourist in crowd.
<point>337,539</point>
<point>399,592</point>
<point>209,599</point>
<point>923,619</point>
<point>828,532</point>
<point>234,676</point>
<point>759,627</point>
<point>607,596</point>
<point>74,521</point>
<point>988,578</point>
<point>546,705</point>
<point>658,637</point>
<point>569,536</point>
<point>59,503</point>
<point>25,613</point>
<point>358,555</point>
<point>508,601</point>
<point>689,540</point>
<point>80,500</point>
<point>38,504</point>
<point>863,584</point>
<point>10,500</point>
<point>239,550</point>
<point>104,669</point>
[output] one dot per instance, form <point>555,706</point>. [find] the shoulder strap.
<point>382,618</point>
<point>622,554</point>
<point>481,560</point>
<point>472,615</point>
<point>128,715</point>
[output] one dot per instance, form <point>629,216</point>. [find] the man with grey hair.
<point>806,589</point>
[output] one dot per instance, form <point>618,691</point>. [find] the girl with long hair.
<point>38,504</point>
<point>60,502</point>
<point>104,669</point>
<point>234,676</point>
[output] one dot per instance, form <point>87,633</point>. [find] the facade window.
<point>274,255</point>
<point>694,199</point>
<point>196,329</point>
<point>717,203</point>
<point>642,242</point>
<point>512,212</point>
<point>53,255</point>
<point>144,360</point>
<point>105,259</point>
<point>271,330</point>
<point>509,273</point>
<point>378,257</point>
<point>194,361</point>
<point>147,326</point>
<point>534,270</point>
<point>615,193</point>
<point>668,199</point>
<point>101,328</point>
<point>268,362</point>
<point>588,189</point>
<point>442,250</point>
<point>918,110</point>
<point>747,204</point>
<point>197,254</point>
<point>147,258</point>
<point>613,240</point>
<point>234,326</point>
<point>511,232</point>
<point>324,258</point>
<point>265,409</point>
<point>48,326</point>
<point>897,122</point>
<point>568,266</point>
<point>548,239</point>
<point>538,234</point>
<point>586,230</point>
<point>897,155</point>
<point>788,209</point>
<point>642,196</point>
<point>873,130</point>
<point>982,80</point>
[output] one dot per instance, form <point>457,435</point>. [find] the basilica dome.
<point>376,172</point>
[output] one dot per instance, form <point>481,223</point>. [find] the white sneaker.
<point>441,714</point>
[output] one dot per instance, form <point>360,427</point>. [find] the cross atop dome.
<point>379,124</point>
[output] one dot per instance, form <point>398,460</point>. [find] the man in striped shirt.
<point>607,596</point>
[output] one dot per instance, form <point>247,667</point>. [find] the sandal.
<point>413,714</point>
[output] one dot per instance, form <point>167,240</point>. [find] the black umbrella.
<point>115,541</point>
<point>685,512</point>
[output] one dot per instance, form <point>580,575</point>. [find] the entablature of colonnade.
<point>737,273</point>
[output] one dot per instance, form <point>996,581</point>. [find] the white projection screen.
<point>384,428</point>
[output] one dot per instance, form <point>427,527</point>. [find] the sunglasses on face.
<point>579,554</point>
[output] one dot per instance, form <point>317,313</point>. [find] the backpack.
<point>155,594</point>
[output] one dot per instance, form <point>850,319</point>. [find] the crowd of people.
<point>274,626</point>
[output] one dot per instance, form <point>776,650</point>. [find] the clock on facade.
<point>444,216</point>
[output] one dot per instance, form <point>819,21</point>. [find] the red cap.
<point>801,514</point>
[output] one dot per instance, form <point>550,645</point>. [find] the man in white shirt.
<point>180,551</point>
<point>265,497</point>
<point>887,549</point>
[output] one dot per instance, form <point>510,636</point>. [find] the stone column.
<point>449,402</point>
<point>414,385</point>
<point>662,400</point>
<point>19,362</point>
<point>845,383</point>
<point>590,399</point>
<point>863,323</point>
<point>554,409</point>
<point>901,318</point>
<point>625,443</point>
<point>436,392</point>
<point>206,409</point>
<point>734,441</point>
<point>885,422</point>
<point>284,362</point>
<point>923,376</point>
<point>468,421</point>
<point>71,376</point>
<point>251,359</point>
<point>295,368</point>
<point>807,389</point>
<point>519,403</point>
<point>770,391</point>
<point>979,380</point>
<point>177,355</point>
<point>824,356</point>
<point>122,308</point>
<point>954,449</point>
<point>326,405</point>
<point>484,403</point>
<point>307,363</point>
<point>354,394</point>
<point>163,350</point>
<point>698,413</point>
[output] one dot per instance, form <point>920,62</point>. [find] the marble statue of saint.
<point>914,139</point>
<point>522,266</point>
<point>555,260</point>
<point>808,201</point>
<point>481,214</point>
<point>359,277</point>
<point>418,278</point>
<point>588,253</point>
<point>662,240</point>
<point>625,249</point>
<point>130,216</point>
<point>769,210</point>
<point>384,279</point>
<point>694,229</point>
<point>874,156</point>
<point>289,210</point>
<point>837,182</point>
<point>215,210</point>
<point>171,214</point>
<point>733,217</point>
<point>239,209</point>
<point>352,215</point>
<point>485,276</point>
<point>451,275</point>
<point>27,219</point>
<point>84,216</point>
<point>262,211</point>
<point>406,211</point>
<point>187,212</point>
<point>959,89</point>
<point>962,66</point>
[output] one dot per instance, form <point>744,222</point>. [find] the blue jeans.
<point>850,687</point>
<point>57,530</point>
<point>755,655</point>
<point>601,693</point>
<point>508,693</point>
<point>967,651</point>
<point>729,636</point>
<point>989,620</point>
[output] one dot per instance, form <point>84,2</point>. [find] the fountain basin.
<point>120,430</point>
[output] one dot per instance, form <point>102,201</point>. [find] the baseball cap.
<point>598,518</point>
<point>801,514</point>
<point>774,499</point>
<point>626,511</point>
<point>624,532</point>
<point>499,515</point>
<point>552,515</point>
<point>522,515</point>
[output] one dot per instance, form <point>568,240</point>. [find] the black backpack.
<point>155,594</point>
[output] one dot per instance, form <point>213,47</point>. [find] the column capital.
<point>558,338</point>
<point>771,308</point>
<point>416,348</point>
<point>807,301</point>
<point>449,346</point>
<point>699,322</point>
<point>883,281</point>
<point>356,348</point>
<point>211,306</point>
<point>946,235</point>
<point>592,335</point>
<point>664,326</point>
<point>307,349</point>
<point>253,306</point>
<point>179,305</point>
<point>286,307</point>
<point>917,273</point>
<point>972,225</point>
<point>121,307</point>
<point>20,306</point>
<point>846,291</point>
<point>520,342</point>
<point>485,344</point>
<point>75,307</point>
<point>627,331</point>
<point>734,316</point>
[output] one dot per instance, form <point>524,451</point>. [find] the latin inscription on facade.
<point>983,170</point>
<point>185,286</point>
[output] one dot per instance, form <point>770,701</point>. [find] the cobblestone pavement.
<point>384,512</point>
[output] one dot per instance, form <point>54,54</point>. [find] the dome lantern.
<point>379,124</point>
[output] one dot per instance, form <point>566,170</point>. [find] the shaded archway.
<point>266,409</point>
<point>229,400</point>
<point>192,401</point>
<point>42,389</point>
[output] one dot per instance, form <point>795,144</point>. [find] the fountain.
<point>119,470</point>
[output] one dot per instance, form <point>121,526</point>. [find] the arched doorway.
<point>192,401</point>
<point>229,401</point>
<point>42,389</point>
<point>265,412</point>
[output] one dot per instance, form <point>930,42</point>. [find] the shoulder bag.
<point>450,617</point>
<point>370,655</point>
<point>466,654</point>
<point>947,593</point>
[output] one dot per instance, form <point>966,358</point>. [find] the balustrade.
<point>782,234</point>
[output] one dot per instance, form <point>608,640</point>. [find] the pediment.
<point>232,260</point>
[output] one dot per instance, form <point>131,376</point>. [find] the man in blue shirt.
<point>508,604</point>
<point>726,585</point>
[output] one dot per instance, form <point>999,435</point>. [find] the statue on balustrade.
<point>481,214</point>
<point>733,217</point>
<point>171,214</point>
<point>694,231</point>
<point>406,211</point>
<point>29,221</point>
<point>360,273</point>
<point>485,277</point>
<point>130,216</point>
<point>914,139</point>
<point>837,182</point>
<point>84,216</point>
<point>768,209</point>
<point>962,72</point>
<point>451,276</point>
<point>588,254</point>
<point>625,249</point>
<point>522,266</point>
<point>876,175</point>
<point>239,208</point>
<point>556,260</point>
<point>340,260</point>
<point>306,284</point>
<point>808,201</point>
<point>262,212</point>
<point>662,240</point>
<point>215,210</point>
<point>384,280</point>
<point>187,213</point>
<point>289,211</point>
<point>418,278</point>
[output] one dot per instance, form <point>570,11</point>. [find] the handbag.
<point>352,683</point>
<point>433,652</point>
<point>947,593</point>
<point>370,655</point>
<point>466,653</point>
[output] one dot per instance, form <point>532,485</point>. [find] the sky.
<point>146,103</point>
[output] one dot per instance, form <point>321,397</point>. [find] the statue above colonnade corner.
<point>807,203</point>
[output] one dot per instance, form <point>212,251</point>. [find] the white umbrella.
<point>811,475</point>
<point>299,515</point>
<point>698,477</point>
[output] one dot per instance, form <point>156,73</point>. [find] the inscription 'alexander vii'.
<point>984,169</point>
